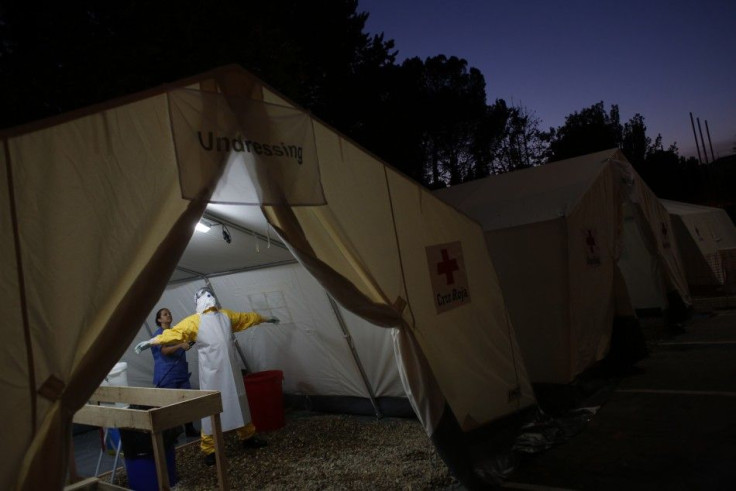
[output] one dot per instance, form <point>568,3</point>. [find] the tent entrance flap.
<point>639,266</point>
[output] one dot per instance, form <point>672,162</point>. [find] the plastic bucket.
<point>265,399</point>
<point>113,438</point>
<point>142,471</point>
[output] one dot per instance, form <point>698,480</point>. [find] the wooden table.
<point>170,408</point>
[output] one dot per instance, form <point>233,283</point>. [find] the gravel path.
<point>317,451</point>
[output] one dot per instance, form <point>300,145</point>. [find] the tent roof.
<point>682,208</point>
<point>253,244</point>
<point>530,195</point>
<point>720,224</point>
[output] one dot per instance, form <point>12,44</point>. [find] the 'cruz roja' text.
<point>454,296</point>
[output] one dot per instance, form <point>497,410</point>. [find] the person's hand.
<point>273,320</point>
<point>143,345</point>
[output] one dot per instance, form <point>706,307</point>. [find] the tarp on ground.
<point>101,203</point>
<point>575,243</point>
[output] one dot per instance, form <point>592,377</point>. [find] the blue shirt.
<point>170,371</point>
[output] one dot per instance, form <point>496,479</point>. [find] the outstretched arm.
<point>184,332</point>
<point>243,320</point>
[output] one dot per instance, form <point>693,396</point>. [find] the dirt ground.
<point>317,451</point>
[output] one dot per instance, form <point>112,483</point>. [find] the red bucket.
<point>265,399</point>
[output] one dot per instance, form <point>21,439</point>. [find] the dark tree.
<point>635,143</point>
<point>455,101</point>
<point>71,54</point>
<point>433,112</point>
<point>669,175</point>
<point>591,130</point>
<point>519,143</point>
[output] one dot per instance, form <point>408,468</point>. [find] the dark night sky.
<point>660,58</point>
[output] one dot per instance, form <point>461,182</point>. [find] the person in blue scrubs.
<point>170,367</point>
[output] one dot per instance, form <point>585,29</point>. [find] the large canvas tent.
<point>575,243</point>
<point>707,239</point>
<point>100,205</point>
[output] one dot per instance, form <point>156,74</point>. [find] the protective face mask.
<point>205,300</point>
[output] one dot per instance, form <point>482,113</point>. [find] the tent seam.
<point>511,335</point>
<point>22,287</point>
<point>398,246</point>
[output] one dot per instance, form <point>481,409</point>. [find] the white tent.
<point>101,204</point>
<point>707,239</point>
<point>575,243</point>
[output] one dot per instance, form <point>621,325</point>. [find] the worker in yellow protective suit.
<point>211,328</point>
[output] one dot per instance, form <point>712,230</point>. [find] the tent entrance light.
<point>202,227</point>
<point>205,224</point>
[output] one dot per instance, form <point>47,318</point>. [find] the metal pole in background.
<point>702,140</point>
<point>707,132</point>
<point>697,145</point>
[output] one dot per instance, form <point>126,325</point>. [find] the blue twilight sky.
<point>661,58</point>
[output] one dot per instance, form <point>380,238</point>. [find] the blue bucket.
<point>142,471</point>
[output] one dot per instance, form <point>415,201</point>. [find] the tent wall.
<point>707,239</point>
<point>531,262</point>
<point>481,333</point>
<point>100,224</point>
<point>702,262</point>
<point>593,228</point>
<point>308,345</point>
<point>640,267</point>
<point>656,228</point>
<point>13,361</point>
<point>374,234</point>
<point>557,237</point>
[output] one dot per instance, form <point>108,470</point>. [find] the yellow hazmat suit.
<point>218,368</point>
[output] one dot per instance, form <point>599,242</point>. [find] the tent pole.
<point>229,272</point>
<point>349,340</point>
<point>191,272</point>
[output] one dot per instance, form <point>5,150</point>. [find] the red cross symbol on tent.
<point>447,267</point>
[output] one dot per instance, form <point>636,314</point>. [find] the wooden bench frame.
<point>171,407</point>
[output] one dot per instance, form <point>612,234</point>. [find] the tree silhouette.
<point>519,143</point>
<point>72,54</point>
<point>590,130</point>
<point>635,143</point>
<point>435,109</point>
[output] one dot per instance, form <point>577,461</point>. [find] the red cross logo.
<point>447,267</point>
